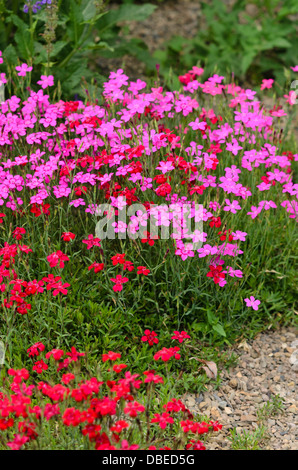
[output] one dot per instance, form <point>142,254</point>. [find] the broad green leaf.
<point>89,11</point>
<point>125,13</point>
<point>219,329</point>
<point>10,55</point>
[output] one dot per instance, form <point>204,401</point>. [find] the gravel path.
<point>267,367</point>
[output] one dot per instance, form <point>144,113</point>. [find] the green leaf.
<point>219,329</point>
<point>57,47</point>
<point>247,61</point>
<point>211,318</point>
<point>10,55</point>
<point>125,13</point>
<point>89,11</point>
<point>23,41</point>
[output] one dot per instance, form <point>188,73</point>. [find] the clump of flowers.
<point>100,412</point>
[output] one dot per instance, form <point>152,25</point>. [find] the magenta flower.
<point>46,81</point>
<point>267,83</point>
<point>291,98</point>
<point>252,302</point>
<point>23,69</point>
<point>232,206</point>
<point>180,336</point>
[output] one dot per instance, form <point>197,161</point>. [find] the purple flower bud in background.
<point>36,6</point>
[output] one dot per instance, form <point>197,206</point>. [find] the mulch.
<point>267,367</point>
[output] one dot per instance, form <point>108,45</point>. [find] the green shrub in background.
<point>252,42</point>
<point>66,37</point>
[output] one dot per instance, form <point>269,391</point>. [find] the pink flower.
<point>18,442</point>
<point>295,68</point>
<point>291,98</point>
<point>254,211</point>
<point>91,241</point>
<point>119,280</point>
<point>267,83</point>
<point>232,206</point>
<point>57,257</point>
<point>23,69</point>
<point>46,81</point>
<point>252,302</point>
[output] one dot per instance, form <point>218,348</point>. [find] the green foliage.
<point>248,441</point>
<point>67,38</point>
<point>252,46</point>
<point>273,407</point>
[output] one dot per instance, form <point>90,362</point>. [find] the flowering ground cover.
<point>146,223</point>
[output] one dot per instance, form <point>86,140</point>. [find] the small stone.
<point>248,418</point>
<point>228,410</point>
<point>233,383</point>
<point>190,401</point>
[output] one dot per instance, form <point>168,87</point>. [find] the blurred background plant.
<point>75,38</point>
<point>253,40</point>
<point>65,37</point>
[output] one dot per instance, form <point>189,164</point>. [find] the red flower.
<point>97,267</point>
<point>165,354</point>
<point>18,233</point>
<point>163,190</point>
<point>56,353</point>
<point>18,442</point>
<point>132,409</point>
<point>118,259</point>
<point>119,367</point>
<point>72,417</point>
<point>57,257</point>
<point>119,426</point>
<point>74,354</point>
<point>215,221</point>
<point>226,234</point>
<point>37,209</point>
<point>143,270</point>
<point>36,349</point>
<point>110,356</point>
<point>215,425</point>
<point>151,377</point>
<point>19,374</point>
<point>180,336</point>
<point>39,366</point>
<point>128,265</point>
<point>91,241</point>
<point>66,378</point>
<point>215,272</point>
<point>174,405</point>
<point>162,420</point>
<point>148,238</point>
<point>67,236</point>
<point>119,280</point>
<point>50,411</point>
<point>80,190</point>
<point>199,189</point>
<point>195,445</point>
<point>150,336</point>
<point>59,288</point>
